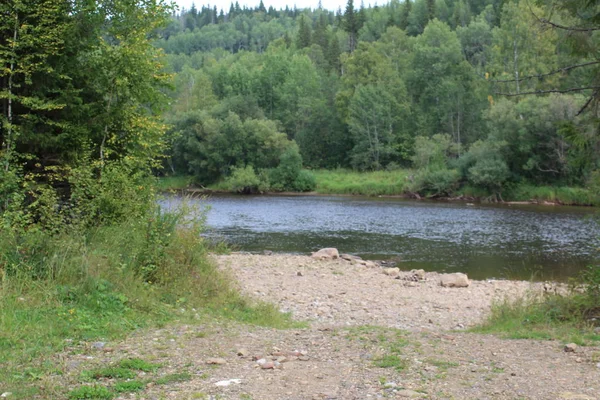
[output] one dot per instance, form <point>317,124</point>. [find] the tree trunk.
<point>9,133</point>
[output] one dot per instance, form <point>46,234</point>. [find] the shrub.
<point>437,182</point>
<point>244,180</point>
<point>305,181</point>
<point>290,164</point>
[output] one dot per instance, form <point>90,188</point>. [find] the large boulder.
<point>328,253</point>
<point>456,279</point>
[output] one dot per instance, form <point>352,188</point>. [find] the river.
<point>484,241</point>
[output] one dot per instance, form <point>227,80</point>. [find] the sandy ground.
<point>368,336</point>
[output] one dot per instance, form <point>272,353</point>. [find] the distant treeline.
<point>480,92</point>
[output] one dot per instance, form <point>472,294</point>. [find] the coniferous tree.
<point>304,35</point>
<point>351,25</point>
<point>431,9</point>
<point>405,14</point>
<point>320,36</point>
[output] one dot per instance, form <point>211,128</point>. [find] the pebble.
<point>5,394</point>
<point>242,352</point>
<point>216,361</point>
<point>268,365</point>
<point>98,345</point>
<point>228,382</point>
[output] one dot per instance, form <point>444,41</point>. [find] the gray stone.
<point>98,345</point>
<point>328,253</point>
<point>391,271</point>
<point>570,348</point>
<point>456,279</point>
<point>418,274</point>
<point>216,361</point>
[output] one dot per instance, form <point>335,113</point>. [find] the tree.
<point>351,24</point>
<point>304,35</point>
<point>373,119</point>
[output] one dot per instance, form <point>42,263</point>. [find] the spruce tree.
<point>304,36</point>
<point>351,24</point>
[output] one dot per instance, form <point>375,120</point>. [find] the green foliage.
<point>570,317</point>
<point>434,152</point>
<point>375,183</point>
<point>372,80</point>
<point>245,180</point>
<point>173,378</point>
<point>110,372</point>
<point>289,174</point>
<point>138,364</point>
<point>485,166</point>
<point>129,386</point>
<point>91,392</point>
<point>435,182</point>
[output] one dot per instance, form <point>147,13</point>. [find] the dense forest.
<point>480,92</point>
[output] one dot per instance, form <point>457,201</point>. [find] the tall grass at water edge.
<point>376,183</point>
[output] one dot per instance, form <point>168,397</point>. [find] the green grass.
<point>91,392</point>
<point>138,365</point>
<point>556,194</point>
<point>392,341</point>
<point>376,183</point>
<point>541,317</point>
<point>129,386</point>
<point>173,378</point>
<point>108,373</point>
<point>179,182</point>
<point>395,183</point>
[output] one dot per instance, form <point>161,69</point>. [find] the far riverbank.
<point>395,183</point>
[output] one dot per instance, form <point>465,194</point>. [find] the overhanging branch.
<point>564,69</point>
<point>549,91</point>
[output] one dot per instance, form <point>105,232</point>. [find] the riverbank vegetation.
<point>479,96</point>
<point>573,316</point>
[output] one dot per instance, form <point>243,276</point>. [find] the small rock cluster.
<point>453,280</point>
<point>277,357</point>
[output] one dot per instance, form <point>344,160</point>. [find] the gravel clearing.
<point>371,334</point>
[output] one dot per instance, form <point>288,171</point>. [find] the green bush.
<point>91,392</point>
<point>290,164</point>
<point>305,182</point>
<point>437,182</point>
<point>246,181</point>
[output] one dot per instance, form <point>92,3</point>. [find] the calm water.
<point>483,241</point>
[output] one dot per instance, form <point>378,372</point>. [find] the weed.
<point>109,372</point>
<point>139,365</point>
<point>129,386</point>
<point>173,378</point>
<point>91,392</point>
<point>544,317</point>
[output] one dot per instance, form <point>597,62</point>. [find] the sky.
<point>327,4</point>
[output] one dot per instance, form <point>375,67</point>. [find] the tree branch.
<point>558,26</point>
<point>567,28</point>
<point>564,69</point>
<point>588,102</point>
<point>548,91</point>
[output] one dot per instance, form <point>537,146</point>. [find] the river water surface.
<point>515,242</point>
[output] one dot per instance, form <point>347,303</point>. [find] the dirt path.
<point>370,336</point>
